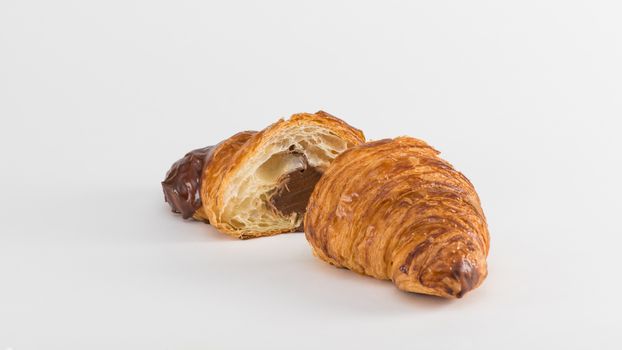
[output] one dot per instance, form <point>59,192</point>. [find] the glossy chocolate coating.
<point>183,182</point>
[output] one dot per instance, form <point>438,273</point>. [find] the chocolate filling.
<point>183,182</point>
<point>294,189</point>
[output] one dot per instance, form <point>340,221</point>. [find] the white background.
<point>97,99</point>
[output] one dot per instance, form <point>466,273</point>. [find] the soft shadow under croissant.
<point>393,209</point>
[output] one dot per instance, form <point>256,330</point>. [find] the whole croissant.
<point>393,209</point>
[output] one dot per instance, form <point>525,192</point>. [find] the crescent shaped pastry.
<point>392,209</point>
<point>259,183</point>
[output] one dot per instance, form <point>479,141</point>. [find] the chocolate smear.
<point>182,184</point>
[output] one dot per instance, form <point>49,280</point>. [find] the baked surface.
<point>394,210</point>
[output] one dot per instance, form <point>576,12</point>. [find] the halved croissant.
<point>258,184</point>
<point>393,209</point>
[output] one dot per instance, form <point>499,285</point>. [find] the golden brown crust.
<point>393,209</point>
<point>218,164</point>
<point>234,155</point>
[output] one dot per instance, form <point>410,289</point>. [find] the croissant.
<point>259,183</point>
<point>392,209</point>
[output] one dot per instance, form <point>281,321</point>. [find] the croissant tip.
<point>467,275</point>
